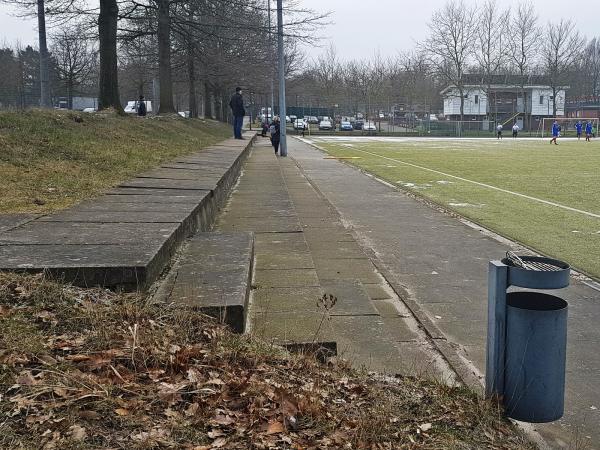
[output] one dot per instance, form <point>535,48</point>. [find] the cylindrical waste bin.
<point>527,337</point>
<point>535,356</point>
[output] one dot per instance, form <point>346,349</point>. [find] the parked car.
<point>358,125</point>
<point>325,125</point>
<point>346,126</point>
<point>89,110</point>
<point>293,118</point>
<point>370,127</point>
<point>433,118</point>
<point>288,119</point>
<point>300,124</point>
<point>313,120</point>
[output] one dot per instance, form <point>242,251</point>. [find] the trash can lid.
<point>536,272</point>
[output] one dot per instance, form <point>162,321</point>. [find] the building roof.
<point>504,82</point>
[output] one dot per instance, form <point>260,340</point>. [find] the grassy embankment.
<point>83,369</point>
<point>51,160</point>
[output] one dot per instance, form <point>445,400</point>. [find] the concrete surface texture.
<point>126,237</point>
<point>439,263</point>
<point>303,251</point>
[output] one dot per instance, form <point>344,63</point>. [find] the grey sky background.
<point>360,28</point>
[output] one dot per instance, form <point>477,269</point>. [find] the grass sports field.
<point>544,196</point>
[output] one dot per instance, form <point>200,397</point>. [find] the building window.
<point>476,99</point>
<point>541,99</point>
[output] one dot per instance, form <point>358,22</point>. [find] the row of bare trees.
<point>484,39</point>
<point>210,45</point>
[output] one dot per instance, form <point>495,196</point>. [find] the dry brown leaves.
<point>116,371</point>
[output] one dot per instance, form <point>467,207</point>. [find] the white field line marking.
<point>489,186</point>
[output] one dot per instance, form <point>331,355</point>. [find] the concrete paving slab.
<point>156,193</point>
<point>376,291</point>
<point>181,174</point>
<point>287,300</point>
<point>162,199</point>
<point>9,221</point>
<point>355,269</point>
<point>156,183</point>
<point>116,217</point>
<point>288,327</point>
<point>127,266</point>
<point>213,275</point>
<point>286,278</point>
<point>272,260</point>
<point>261,225</point>
<point>124,207</point>
<point>352,299</point>
<point>76,233</point>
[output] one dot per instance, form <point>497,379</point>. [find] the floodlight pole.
<point>282,109</point>
<point>272,105</point>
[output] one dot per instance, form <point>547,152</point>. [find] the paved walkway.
<point>303,251</point>
<point>440,264</point>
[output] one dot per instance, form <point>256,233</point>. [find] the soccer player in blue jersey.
<point>578,128</point>
<point>588,131</point>
<point>555,132</point>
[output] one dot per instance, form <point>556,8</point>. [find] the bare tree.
<point>524,44</point>
<point>562,48</point>
<point>74,58</point>
<point>491,55</point>
<point>451,43</point>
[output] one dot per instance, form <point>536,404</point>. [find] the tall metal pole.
<point>45,101</point>
<point>272,105</point>
<point>282,109</point>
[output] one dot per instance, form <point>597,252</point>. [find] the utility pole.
<point>270,69</point>
<point>282,110</point>
<point>45,101</point>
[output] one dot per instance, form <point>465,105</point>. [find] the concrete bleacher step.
<point>126,237</point>
<point>213,275</point>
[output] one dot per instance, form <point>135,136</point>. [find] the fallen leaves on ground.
<point>89,368</point>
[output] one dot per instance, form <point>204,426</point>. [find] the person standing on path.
<point>141,109</point>
<point>237,109</point>
<point>275,131</point>
<point>499,130</point>
<point>555,132</point>
<point>515,130</point>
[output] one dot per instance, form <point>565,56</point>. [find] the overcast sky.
<point>359,28</point>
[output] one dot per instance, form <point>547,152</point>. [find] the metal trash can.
<point>527,337</point>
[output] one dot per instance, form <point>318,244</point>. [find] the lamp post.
<point>282,110</point>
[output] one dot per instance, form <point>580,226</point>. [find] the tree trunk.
<point>553,101</point>
<point>164,58</point>
<point>193,104</point>
<point>45,101</point>
<point>70,84</point>
<point>218,107</point>
<point>207,102</point>
<point>107,32</point>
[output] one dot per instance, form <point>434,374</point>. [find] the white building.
<point>507,100</point>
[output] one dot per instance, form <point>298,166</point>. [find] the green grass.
<point>50,160</point>
<point>568,174</point>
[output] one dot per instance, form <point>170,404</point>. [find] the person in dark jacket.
<point>275,131</point>
<point>141,109</point>
<point>237,109</point>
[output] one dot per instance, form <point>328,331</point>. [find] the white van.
<point>131,107</point>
